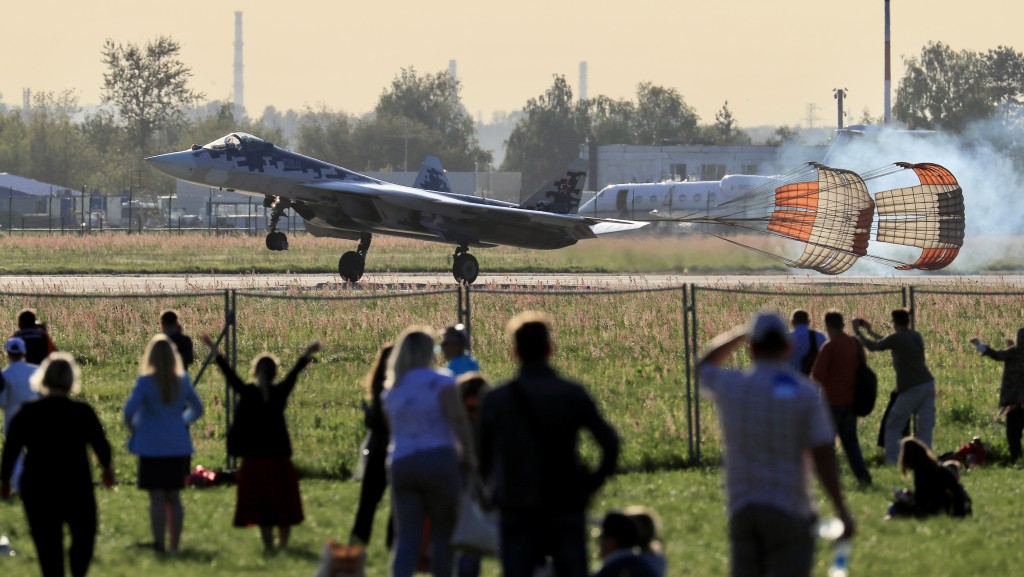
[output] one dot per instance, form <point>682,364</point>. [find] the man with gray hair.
<point>774,425</point>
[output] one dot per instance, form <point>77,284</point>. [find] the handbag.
<point>865,388</point>
<point>476,530</point>
<point>340,560</point>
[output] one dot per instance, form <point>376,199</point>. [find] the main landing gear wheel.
<point>277,241</point>
<point>465,268</point>
<point>351,265</point>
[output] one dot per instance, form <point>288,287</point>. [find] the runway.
<point>165,283</point>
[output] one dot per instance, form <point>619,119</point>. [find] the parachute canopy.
<point>929,216</point>
<point>830,213</point>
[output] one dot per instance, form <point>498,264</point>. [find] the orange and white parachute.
<point>830,214</point>
<point>929,216</point>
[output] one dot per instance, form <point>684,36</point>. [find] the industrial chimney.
<point>887,104</point>
<point>239,99</point>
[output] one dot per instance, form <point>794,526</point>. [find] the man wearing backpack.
<point>836,370</point>
<point>806,342</point>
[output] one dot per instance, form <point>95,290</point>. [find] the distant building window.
<point>749,169</point>
<point>679,171</point>
<point>712,171</point>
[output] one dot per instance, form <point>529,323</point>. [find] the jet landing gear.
<point>352,263</point>
<point>465,268</point>
<point>276,240</point>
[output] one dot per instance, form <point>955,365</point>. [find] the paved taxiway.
<point>143,283</point>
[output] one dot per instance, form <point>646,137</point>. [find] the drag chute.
<point>929,216</point>
<point>832,215</point>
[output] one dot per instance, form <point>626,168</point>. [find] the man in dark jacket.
<point>530,456</point>
<point>170,326</point>
<point>38,345</point>
<point>1011,391</point>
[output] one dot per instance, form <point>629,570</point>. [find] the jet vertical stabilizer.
<point>432,176</point>
<point>562,195</point>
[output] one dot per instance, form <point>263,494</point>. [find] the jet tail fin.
<point>432,176</point>
<point>561,195</point>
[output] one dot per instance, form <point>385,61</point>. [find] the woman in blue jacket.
<point>159,410</point>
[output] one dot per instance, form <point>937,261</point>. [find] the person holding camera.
<point>1011,391</point>
<point>915,385</point>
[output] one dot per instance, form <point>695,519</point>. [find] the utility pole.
<point>839,94</point>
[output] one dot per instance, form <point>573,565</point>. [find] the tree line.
<point>150,109</point>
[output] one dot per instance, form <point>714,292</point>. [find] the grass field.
<point>196,252</point>
<point>628,349</point>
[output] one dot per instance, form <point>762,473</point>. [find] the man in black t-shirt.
<point>38,345</point>
<point>169,326</point>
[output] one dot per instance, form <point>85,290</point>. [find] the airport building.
<point>618,164</point>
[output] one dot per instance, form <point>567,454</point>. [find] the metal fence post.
<point>696,375</point>
<point>464,313</point>
<point>686,365</point>
<point>231,349</point>
<point>913,308</point>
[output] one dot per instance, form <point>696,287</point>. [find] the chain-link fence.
<point>634,349</point>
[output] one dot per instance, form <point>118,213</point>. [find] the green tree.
<point>1005,67</point>
<point>612,121</point>
<point>725,130</point>
<point>327,134</point>
<point>782,135</point>
<point>429,107</point>
<point>57,151</point>
<point>548,135</point>
<point>148,85</point>
<point>945,89</point>
<point>662,115</point>
<point>13,142</point>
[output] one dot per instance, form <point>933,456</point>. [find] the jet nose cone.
<point>176,164</point>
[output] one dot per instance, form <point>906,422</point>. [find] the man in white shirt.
<point>776,427</point>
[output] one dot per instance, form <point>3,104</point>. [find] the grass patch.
<point>628,349</point>
<point>690,503</point>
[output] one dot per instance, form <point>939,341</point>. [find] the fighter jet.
<point>336,202</point>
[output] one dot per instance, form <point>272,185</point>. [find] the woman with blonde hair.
<point>158,413</point>
<point>268,485</point>
<point>426,418</point>
<point>56,486</point>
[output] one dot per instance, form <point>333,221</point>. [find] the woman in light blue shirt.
<point>159,410</point>
<point>430,436</point>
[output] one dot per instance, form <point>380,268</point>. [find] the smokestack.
<point>583,80</point>
<point>26,99</point>
<point>453,69</point>
<point>887,106</point>
<point>239,98</point>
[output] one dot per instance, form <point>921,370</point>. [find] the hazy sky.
<point>770,60</point>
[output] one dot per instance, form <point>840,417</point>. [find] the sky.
<point>777,63</point>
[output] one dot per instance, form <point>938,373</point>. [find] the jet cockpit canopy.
<point>238,141</point>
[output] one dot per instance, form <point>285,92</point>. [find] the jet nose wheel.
<point>277,241</point>
<point>465,268</point>
<point>350,266</point>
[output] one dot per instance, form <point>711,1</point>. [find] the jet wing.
<point>451,219</point>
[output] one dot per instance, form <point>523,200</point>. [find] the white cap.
<point>765,323</point>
